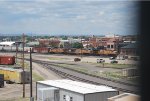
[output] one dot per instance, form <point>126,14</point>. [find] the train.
<point>13,49</point>
<point>7,60</point>
<point>15,75</point>
<point>74,51</point>
<point>71,51</point>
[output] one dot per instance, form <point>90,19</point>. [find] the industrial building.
<point>125,97</point>
<point>68,90</point>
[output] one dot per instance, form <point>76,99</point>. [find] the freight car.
<point>13,49</point>
<point>7,60</point>
<point>1,80</point>
<point>40,49</point>
<point>57,50</point>
<point>15,75</point>
<point>107,53</point>
<point>83,51</point>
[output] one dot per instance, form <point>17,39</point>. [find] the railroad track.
<point>80,76</point>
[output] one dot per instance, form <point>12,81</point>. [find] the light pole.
<point>81,47</point>
<point>16,51</point>
<point>23,66</point>
<point>31,98</point>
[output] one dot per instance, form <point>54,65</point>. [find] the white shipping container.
<point>46,94</point>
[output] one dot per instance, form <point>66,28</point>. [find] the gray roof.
<point>32,43</point>
<point>132,45</point>
<point>76,86</point>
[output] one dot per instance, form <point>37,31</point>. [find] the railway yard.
<point>51,67</point>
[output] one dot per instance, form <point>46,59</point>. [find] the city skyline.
<point>57,17</point>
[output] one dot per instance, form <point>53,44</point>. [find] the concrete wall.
<point>100,96</point>
<point>75,96</point>
<point>125,98</point>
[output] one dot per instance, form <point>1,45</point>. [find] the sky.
<point>69,17</point>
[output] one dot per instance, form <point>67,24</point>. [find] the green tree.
<point>61,46</point>
<point>77,45</point>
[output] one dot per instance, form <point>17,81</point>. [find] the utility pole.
<point>23,40</point>
<point>81,47</point>
<point>16,51</point>
<point>31,98</point>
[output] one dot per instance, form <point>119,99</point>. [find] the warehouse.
<point>68,90</point>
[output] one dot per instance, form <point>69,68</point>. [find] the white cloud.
<point>80,17</point>
<point>100,13</point>
<point>62,16</point>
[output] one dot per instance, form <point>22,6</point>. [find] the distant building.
<point>111,44</point>
<point>33,43</point>
<point>49,42</point>
<point>130,38</point>
<point>7,43</point>
<point>108,43</point>
<point>71,40</point>
<point>130,49</point>
<point>64,44</point>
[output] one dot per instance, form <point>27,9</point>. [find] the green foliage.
<point>77,45</point>
<point>64,37</point>
<point>61,46</point>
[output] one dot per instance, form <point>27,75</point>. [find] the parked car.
<point>120,58</point>
<point>100,60</point>
<point>114,61</point>
<point>111,58</point>
<point>77,59</point>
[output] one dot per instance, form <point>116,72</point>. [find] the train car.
<point>7,60</point>
<point>15,75</point>
<point>83,51</point>
<point>57,50</point>
<point>107,53</point>
<point>13,49</point>
<point>1,80</point>
<point>71,51</point>
<point>40,49</point>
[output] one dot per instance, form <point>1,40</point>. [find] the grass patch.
<point>54,58</point>
<point>37,77</point>
<point>113,75</point>
<point>80,69</point>
<point>134,79</point>
<point>17,99</point>
<point>118,66</point>
<point>110,75</point>
<point>26,65</point>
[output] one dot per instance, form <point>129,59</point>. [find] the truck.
<point>100,60</point>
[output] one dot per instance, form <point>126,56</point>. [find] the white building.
<point>7,43</point>
<point>68,90</point>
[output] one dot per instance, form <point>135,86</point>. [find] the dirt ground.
<point>14,92</point>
